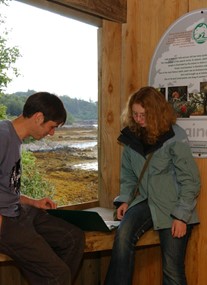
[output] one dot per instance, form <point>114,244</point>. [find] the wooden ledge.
<point>99,241</point>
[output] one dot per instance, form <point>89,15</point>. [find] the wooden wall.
<point>120,76</point>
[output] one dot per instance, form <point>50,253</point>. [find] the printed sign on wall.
<point>179,70</point>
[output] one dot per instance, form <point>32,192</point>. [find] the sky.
<point>59,54</point>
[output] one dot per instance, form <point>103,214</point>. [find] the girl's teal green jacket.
<point>171,182</point>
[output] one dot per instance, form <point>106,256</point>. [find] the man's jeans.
<point>137,220</point>
<point>48,250</point>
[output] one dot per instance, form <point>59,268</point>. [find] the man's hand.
<point>178,228</point>
<point>44,203</point>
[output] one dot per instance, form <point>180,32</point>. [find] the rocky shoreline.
<point>68,160</point>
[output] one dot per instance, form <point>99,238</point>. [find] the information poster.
<point>179,70</point>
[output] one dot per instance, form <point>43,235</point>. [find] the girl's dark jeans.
<point>137,220</point>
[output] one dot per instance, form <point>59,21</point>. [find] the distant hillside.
<point>78,110</point>
<point>81,109</point>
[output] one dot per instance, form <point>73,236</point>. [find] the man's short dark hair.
<point>49,104</point>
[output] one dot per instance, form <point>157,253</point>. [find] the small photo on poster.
<point>176,93</point>
<point>177,96</point>
<point>199,102</point>
<point>203,87</point>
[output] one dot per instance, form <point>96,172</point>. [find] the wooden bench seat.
<point>101,241</point>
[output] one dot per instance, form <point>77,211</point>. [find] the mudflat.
<point>69,161</point>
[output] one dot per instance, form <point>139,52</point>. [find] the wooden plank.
<point>109,117</point>
<point>98,241</point>
<point>110,10</point>
<point>89,270</point>
<point>65,11</point>
<point>11,275</point>
<point>197,247</point>
<point>197,4</point>
<point>148,269</point>
<point>147,265</point>
<point>80,206</point>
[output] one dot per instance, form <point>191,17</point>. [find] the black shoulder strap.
<point>141,175</point>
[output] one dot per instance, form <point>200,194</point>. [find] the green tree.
<point>8,57</point>
<point>8,54</point>
<point>2,112</point>
<point>13,103</point>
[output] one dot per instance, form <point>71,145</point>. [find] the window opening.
<point>59,55</point>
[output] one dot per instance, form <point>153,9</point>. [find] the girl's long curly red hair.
<point>159,114</point>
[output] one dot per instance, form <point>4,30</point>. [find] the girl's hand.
<point>121,210</point>
<point>179,228</point>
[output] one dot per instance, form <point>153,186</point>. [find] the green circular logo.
<point>200,33</point>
